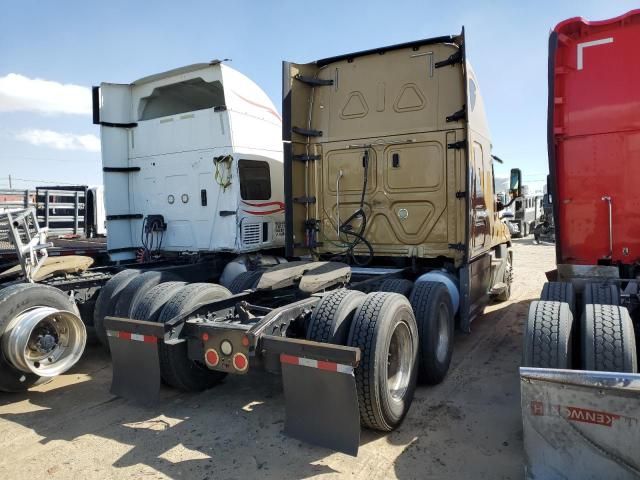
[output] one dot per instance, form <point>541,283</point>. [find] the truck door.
<point>479,214</point>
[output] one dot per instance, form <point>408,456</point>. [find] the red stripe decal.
<point>150,339</point>
<point>270,212</point>
<point>124,335</point>
<point>259,105</point>
<point>289,359</point>
<point>265,204</point>
<point>332,367</point>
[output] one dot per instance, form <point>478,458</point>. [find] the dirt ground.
<point>467,427</point>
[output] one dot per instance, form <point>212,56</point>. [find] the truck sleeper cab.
<point>391,230</point>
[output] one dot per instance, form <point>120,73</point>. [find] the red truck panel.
<point>594,138</point>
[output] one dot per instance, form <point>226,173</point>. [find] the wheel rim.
<point>443,333</point>
<point>44,341</point>
<point>399,361</point>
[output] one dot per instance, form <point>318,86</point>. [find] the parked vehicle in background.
<point>580,384</point>
<point>525,212</point>
<point>393,231</point>
<point>544,229</point>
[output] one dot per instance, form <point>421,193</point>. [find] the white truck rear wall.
<point>175,154</point>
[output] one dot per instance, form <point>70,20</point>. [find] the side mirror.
<point>515,184</point>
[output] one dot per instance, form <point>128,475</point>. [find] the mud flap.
<point>134,358</point>
<point>580,424</point>
<point>321,399</point>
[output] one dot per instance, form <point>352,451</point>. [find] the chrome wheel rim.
<point>399,361</point>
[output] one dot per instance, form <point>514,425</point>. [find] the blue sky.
<point>83,43</point>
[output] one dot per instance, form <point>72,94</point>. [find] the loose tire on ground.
<point>151,304</point>
<point>600,294</point>
<point>133,292</point>
<point>547,338</point>
<point>397,285</point>
<point>560,292</point>
<point>245,281</point>
<point>175,366</point>
<point>385,330</point>
<point>106,302</point>
<point>608,340</point>
<point>331,319</point>
<point>433,310</point>
<point>14,300</point>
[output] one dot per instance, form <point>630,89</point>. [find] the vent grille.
<point>252,233</point>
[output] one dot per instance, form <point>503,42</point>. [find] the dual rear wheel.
<point>605,332</point>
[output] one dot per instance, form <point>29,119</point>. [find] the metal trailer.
<point>579,381</point>
<point>351,324</point>
<point>192,162</point>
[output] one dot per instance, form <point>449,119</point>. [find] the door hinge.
<point>306,158</point>
<point>457,145</point>
<point>313,81</point>
<point>305,132</point>
<point>461,194</point>
<point>452,60</point>
<point>457,246</point>
<point>304,200</point>
<point>459,115</point>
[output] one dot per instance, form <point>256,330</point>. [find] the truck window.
<point>255,180</point>
<point>182,97</point>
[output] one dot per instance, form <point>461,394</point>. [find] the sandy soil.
<point>467,427</point>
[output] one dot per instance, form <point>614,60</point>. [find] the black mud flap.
<point>321,399</point>
<point>134,358</point>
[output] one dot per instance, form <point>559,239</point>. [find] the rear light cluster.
<point>213,358</point>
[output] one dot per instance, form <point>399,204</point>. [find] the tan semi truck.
<point>393,238</point>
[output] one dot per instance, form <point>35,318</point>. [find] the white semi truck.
<point>193,179</point>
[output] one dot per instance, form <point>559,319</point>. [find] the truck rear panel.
<point>594,137</point>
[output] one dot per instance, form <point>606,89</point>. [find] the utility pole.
<point>10,186</point>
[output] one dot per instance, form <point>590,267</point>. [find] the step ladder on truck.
<point>393,238</point>
<point>579,381</point>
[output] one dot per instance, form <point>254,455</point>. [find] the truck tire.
<point>397,285</point>
<point>176,368</point>
<point>560,292</point>
<point>137,288</point>
<point>245,281</point>
<point>433,310</point>
<point>547,338</point>
<point>600,294</point>
<point>153,301</point>
<point>384,329</point>
<point>15,300</point>
<point>106,302</point>
<point>331,319</point>
<point>608,340</point>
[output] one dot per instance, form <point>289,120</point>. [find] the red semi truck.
<point>579,382</point>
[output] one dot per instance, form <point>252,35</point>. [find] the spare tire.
<point>107,299</point>
<point>176,368</point>
<point>15,300</point>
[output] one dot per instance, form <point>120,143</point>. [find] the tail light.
<point>240,362</point>
<point>211,358</point>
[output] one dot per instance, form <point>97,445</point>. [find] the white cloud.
<point>60,141</point>
<point>20,93</point>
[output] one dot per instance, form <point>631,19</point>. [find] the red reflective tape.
<point>289,359</point>
<point>124,335</point>
<point>150,339</point>
<point>330,366</point>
